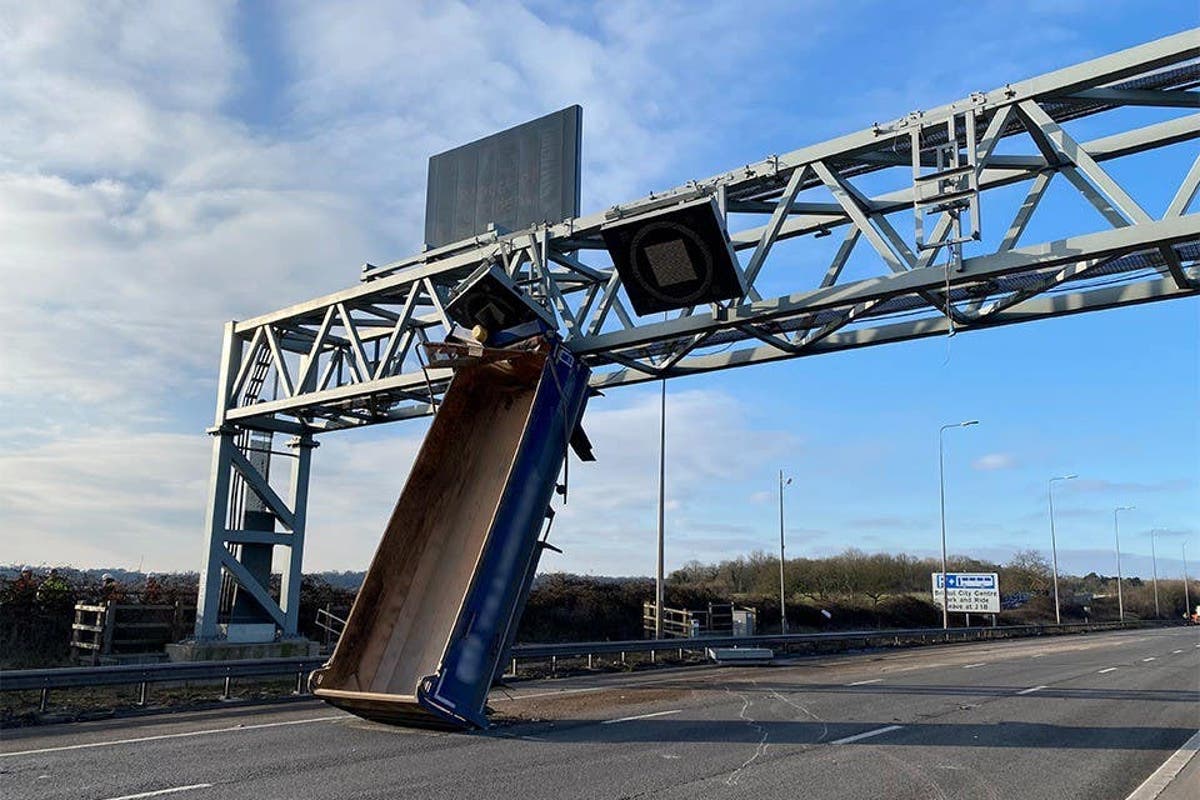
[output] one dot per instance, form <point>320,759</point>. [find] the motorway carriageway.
<point>1097,716</point>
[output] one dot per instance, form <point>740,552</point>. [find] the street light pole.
<point>782,591</point>
<point>659,589</point>
<point>1187,596</point>
<point>942,485</point>
<point>1154,566</point>
<point>1117,537</point>
<point>1054,544</point>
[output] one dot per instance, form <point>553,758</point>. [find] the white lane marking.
<point>1176,652</point>
<point>565,691</point>
<point>640,716</point>
<point>864,683</point>
<point>185,734</point>
<point>1144,660</point>
<point>856,737</point>
<point>161,792</point>
<point>1031,689</point>
<point>1159,779</point>
<point>1107,669</point>
<point>1038,655</point>
<point>973,666</point>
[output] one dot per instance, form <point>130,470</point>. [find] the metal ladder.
<point>238,487</point>
<point>951,183</point>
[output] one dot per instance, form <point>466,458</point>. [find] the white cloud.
<point>609,519</point>
<point>141,207</point>
<point>107,498</point>
<point>112,497</point>
<point>138,215</point>
<point>994,461</point>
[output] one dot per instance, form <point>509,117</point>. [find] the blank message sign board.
<point>513,179</point>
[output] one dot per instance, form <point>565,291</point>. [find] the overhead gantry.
<point>946,251</point>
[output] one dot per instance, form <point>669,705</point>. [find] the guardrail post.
<point>45,701</point>
<point>225,690</point>
<point>553,665</point>
<point>299,683</point>
<point>622,658</point>
<point>589,660</point>
<point>514,666</point>
<point>142,693</point>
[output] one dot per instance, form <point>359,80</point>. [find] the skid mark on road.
<point>919,775</point>
<point>736,775</point>
<point>803,709</point>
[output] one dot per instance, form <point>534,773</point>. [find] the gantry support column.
<point>217,511</point>
<point>289,587</point>
<point>224,531</point>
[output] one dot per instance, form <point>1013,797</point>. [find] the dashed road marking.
<point>640,716</point>
<point>859,736</point>
<point>973,666</point>
<point>1107,669</point>
<point>1176,652</point>
<point>161,792</point>
<point>185,734</point>
<point>1144,660</point>
<point>864,683</point>
<point>1031,690</point>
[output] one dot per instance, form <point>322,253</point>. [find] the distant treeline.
<point>874,576</point>
<point>854,588</point>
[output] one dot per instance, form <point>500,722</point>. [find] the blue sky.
<point>150,191</point>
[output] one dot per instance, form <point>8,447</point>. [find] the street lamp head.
<point>788,482</point>
<point>968,423</point>
<point>1070,477</point>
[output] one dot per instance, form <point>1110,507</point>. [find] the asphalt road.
<point>1094,716</point>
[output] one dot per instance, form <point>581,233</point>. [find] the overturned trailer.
<point>439,607</point>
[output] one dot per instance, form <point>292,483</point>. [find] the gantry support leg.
<point>250,529</point>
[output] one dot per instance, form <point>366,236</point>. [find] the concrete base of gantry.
<point>220,650</point>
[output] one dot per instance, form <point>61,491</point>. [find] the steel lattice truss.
<point>354,358</point>
<point>351,358</point>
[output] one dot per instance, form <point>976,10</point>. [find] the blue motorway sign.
<point>968,580</point>
<point>970,592</point>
